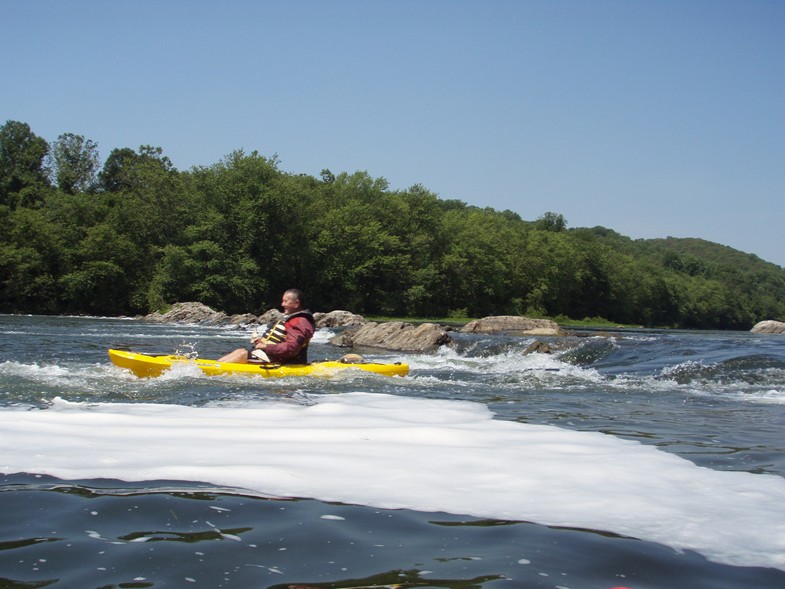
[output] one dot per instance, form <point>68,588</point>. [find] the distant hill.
<point>714,252</point>
<point>757,286</point>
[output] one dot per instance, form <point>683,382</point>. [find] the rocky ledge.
<point>355,331</point>
<point>394,335</point>
<point>769,326</point>
<point>199,314</point>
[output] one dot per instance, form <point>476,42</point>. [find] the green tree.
<point>481,267</point>
<point>259,218</point>
<point>26,284</point>
<point>551,222</point>
<point>116,174</point>
<point>101,269</point>
<point>75,163</point>
<point>424,240</point>
<point>158,204</point>
<point>23,176</point>
<point>97,288</point>
<point>30,259</point>
<point>206,270</point>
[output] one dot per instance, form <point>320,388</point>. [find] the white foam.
<point>398,452</point>
<point>322,336</point>
<point>33,370</point>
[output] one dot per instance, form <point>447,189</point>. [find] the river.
<point>632,458</point>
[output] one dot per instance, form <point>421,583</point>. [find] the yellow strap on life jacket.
<point>275,334</point>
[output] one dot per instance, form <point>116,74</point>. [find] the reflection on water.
<point>91,537</point>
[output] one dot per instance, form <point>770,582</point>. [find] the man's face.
<point>290,303</point>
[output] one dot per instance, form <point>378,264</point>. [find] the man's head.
<point>293,301</point>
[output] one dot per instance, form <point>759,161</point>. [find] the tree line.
<point>134,234</point>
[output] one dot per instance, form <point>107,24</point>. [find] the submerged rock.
<point>394,335</point>
<point>769,326</point>
<point>539,347</point>
<point>512,324</point>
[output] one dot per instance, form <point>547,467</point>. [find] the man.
<point>285,341</point>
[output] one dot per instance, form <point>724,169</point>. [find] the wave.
<point>507,373</point>
<point>753,370</point>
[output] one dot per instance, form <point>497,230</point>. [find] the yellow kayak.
<point>143,365</point>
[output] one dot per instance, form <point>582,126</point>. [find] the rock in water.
<point>769,326</point>
<point>394,335</point>
<point>338,319</point>
<point>512,324</point>
<point>188,313</point>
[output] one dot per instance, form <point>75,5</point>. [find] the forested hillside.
<point>134,234</point>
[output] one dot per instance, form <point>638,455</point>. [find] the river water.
<point>635,458</point>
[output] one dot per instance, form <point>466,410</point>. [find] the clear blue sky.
<point>653,118</point>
